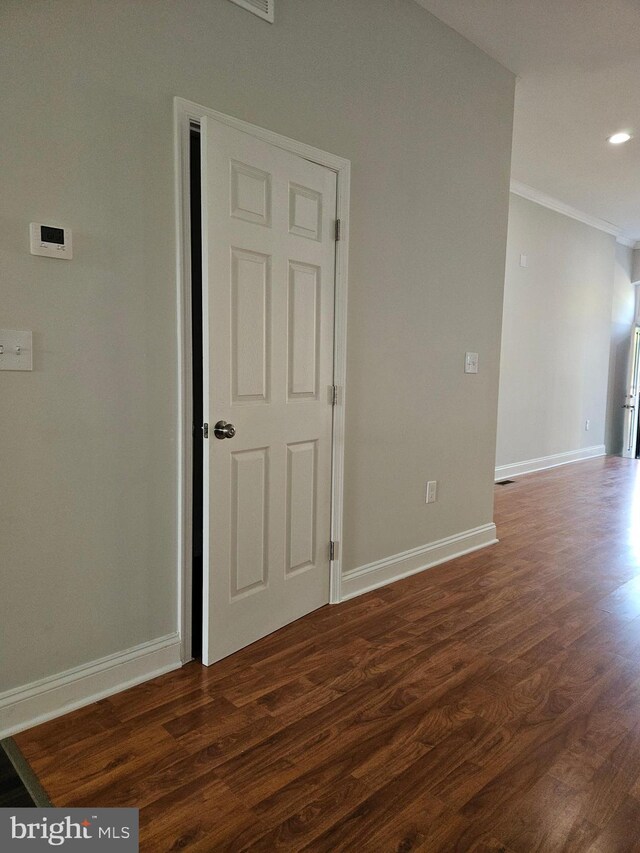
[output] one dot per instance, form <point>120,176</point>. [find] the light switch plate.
<point>471,362</point>
<point>16,350</point>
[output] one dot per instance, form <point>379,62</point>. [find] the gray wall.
<point>622,313</point>
<point>88,525</point>
<point>556,333</point>
<point>635,266</point>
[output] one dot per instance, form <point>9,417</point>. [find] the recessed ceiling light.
<point>619,138</point>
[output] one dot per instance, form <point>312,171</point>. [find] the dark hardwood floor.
<point>489,704</point>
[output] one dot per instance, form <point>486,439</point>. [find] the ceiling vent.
<point>261,8</point>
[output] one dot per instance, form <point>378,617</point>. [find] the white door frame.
<point>187,113</point>
<point>630,421</point>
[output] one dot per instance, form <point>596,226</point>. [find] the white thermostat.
<point>51,241</point>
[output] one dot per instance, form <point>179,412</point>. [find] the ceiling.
<point>578,67</point>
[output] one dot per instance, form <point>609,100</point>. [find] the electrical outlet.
<point>432,489</point>
<point>587,424</point>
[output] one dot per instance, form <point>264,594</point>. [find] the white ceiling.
<point>578,67</point>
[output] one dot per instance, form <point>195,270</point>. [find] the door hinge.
<point>334,395</point>
<point>333,551</point>
<point>205,430</point>
<point>338,229</point>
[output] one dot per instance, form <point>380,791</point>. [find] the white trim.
<point>398,566</point>
<point>515,469</point>
<point>186,112</point>
<point>339,376</point>
<point>194,112</point>
<point>525,191</point>
<point>35,703</point>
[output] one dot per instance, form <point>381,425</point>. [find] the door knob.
<point>224,430</point>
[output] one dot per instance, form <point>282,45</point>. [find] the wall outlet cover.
<point>471,362</point>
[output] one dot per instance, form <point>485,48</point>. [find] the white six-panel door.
<point>268,283</point>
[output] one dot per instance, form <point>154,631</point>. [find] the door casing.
<point>630,420</point>
<point>186,115</point>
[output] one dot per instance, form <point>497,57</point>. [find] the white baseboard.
<point>35,703</point>
<point>383,572</point>
<point>515,469</point>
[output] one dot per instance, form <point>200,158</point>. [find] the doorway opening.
<point>298,167</point>
<point>631,442</point>
<point>197,388</point>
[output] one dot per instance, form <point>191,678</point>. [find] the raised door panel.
<point>303,331</point>
<point>249,514</point>
<point>250,193</point>
<point>251,326</point>
<point>305,212</point>
<point>302,479</point>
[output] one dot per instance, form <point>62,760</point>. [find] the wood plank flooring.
<point>489,704</point>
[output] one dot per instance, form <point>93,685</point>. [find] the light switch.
<point>471,362</point>
<point>16,350</point>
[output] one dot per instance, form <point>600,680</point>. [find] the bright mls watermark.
<point>69,829</point>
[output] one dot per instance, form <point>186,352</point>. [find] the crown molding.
<point>531,194</point>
